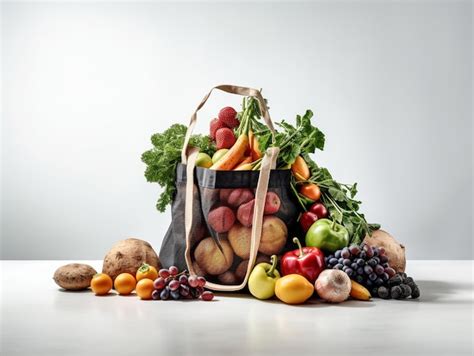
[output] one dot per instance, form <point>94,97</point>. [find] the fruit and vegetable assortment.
<point>336,253</point>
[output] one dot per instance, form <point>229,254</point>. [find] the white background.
<point>85,85</point>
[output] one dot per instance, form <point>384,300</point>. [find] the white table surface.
<point>37,318</point>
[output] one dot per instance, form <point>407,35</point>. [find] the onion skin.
<point>333,285</point>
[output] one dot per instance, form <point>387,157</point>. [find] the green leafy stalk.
<point>165,155</point>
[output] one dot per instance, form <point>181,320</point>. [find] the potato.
<point>274,234</point>
<point>74,276</point>
<point>239,196</point>
<point>211,258</point>
<point>272,203</point>
<point>228,278</point>
<point>127,256</point>
<point>239,238</point>
<point>394,251</point>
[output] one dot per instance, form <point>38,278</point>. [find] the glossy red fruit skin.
<point>307,219</point>
<point>319,209</point>
<point>308,265</point>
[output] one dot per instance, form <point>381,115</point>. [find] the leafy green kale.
<point>163,158</point>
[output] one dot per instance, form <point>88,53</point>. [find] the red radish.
<point>272,203</point>
<point>239,196</point>
<point>221,219</point>
<point>215,125</point>
<point>228,116</point>
<point>224,138</point>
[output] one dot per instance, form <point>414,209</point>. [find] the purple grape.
<point>207,296</point>
<point>360,262</point>
<point>174,285</point>
<point>354,250</point>
<point>159,283</point>
<point>155,295</point>
<point>346,262</point>
<point>376,251</point>
<point>360,271</point>
<point>383,259</point>
<point>333,261</point>
<point>175,294</point>
<point>183,279</point>
<point>372,276</point>
<point>385,277</point>
<point>362,255</point>
<point>193,281</point>
<point>173,270</point>
<point>379,269</point>
<point>345,253</point>
<point>368,270</point>
<point>349,271</point>
<point>369,251</point>
<point>341,261</point>
<point>354,266</point>
<point>378,282</point>
<point>337,254</point>
<point>390,271</point>
<point>164,273</point>
<point>165,294</point>
<point>339,266</point>
<point>201,282</point>
<point>184,290</point>
<point>372,263</point>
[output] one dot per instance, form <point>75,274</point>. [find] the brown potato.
<point>274,234</point>
<point>239,237</point>
<point>211,258</point>
<point>127,256</point>
<point>74,276</point>
<point>394,250</point>
<point>228,278</point>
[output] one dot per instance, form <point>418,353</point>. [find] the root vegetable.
<point>245,213</point>
<point>211,258</point>
<point>127,256</point>
<point>394,250</point>
<point>228,278</point>
<point>239,238</point>
<point>239,196</point>
<point>221,219</point>
<point>224,195</point>
<point>274,234</point>
<point>74,276</point>
<point>333,285</point>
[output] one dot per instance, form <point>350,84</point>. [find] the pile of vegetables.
<point>238,142</point>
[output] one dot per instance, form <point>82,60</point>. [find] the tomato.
<point>144,288</point>
<point>311,191</point>
<point>125,283</point>
<point>146,271</point>
<point>101,284</point>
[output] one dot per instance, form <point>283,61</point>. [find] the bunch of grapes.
<point>369,266</point>
<point>365,264</point>
<point>399,286</point>
<point>174,285</point>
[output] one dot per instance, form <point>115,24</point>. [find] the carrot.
<point>255,149</point>
<point>247,159</point>
<point>300,169</point>
<point>233,156</point>
<point>311,191</point>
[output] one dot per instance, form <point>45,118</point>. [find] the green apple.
<point>219,154</point>
<point>203,160</point>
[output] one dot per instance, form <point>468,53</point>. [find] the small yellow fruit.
<point>293,289</point>
<point>101,284</point>
<point>358,291</point>
<point>203,160</point>
<point>219,154</point>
